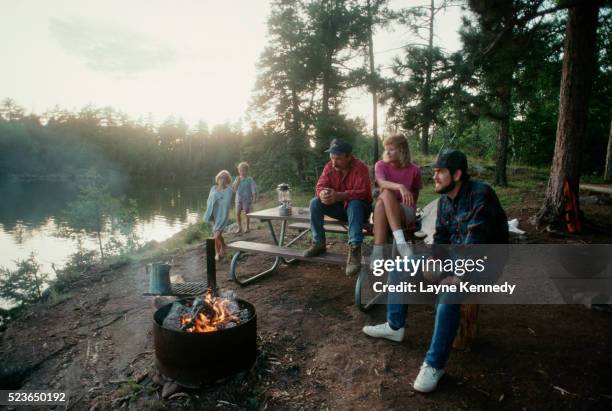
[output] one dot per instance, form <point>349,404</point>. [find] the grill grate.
<point>185,289</point>
<point>196,288</point>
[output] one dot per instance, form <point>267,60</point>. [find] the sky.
<point>194,59</point>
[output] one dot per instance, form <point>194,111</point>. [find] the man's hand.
<point>328,196</point>
<point>451,280</point>
<point>407,197</point>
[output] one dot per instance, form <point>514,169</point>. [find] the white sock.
<point>399,236</point>
<point>378,252</point>
<point>404,249</point>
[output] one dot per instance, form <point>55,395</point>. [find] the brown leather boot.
<point>353,261</point>
<point>315,250</point>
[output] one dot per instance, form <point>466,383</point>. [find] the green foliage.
<point>600,106</point>
<point>97,211</point>
<point>533,128</point>
<point>194,234</point>
<point>301,82</point>
<point>23,285</point>
<point>56,297</point>
<point>478,139</point>
<point>130,388</point>
<point>267,156</point>
<point>78,263</point>
<point>414,102</point>
<point>508,69</point>
<point>197,233</point>
<point>61,145</point>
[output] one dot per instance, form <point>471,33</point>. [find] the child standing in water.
<point>246,194</point>
<point>218,208</point>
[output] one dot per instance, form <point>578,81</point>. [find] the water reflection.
<point>29,214</point>
<point>30,205</point>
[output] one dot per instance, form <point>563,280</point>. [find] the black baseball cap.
<point>453,160</point>
<point>339,146</point>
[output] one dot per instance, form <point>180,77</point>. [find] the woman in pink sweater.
<point>400,182</point>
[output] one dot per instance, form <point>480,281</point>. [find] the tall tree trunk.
<point>427,91</point>
<point>576,82</point>
<point>373,83</point>
<point>503,135</point>
<point>608,171</point>
<point>323,128</point>
<point>326,87</point>
<point>100,244</point>
<point>329,56</point>
<point>297,142</point>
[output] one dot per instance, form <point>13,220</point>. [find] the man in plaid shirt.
<point>469,212</point>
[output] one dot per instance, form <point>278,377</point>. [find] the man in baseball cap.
<point>339,147</point>
<point>343,192</point>
<point>452,160</point>
<point>469,212</point>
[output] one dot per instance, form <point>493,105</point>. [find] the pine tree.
<point>579,60</point>
<point>495,39</point>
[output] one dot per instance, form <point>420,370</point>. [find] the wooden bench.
<point>341,229</point>
<point>290,253</point>
<point>330,228</point>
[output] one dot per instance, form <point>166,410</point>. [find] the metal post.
<point>211,269</point>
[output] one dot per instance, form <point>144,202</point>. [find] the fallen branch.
<point>563,391</point>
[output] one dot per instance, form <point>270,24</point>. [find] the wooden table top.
<point>298,214</point>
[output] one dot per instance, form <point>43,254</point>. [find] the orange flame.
<point>221,315</point>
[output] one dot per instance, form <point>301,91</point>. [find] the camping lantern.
<point>284,198</point>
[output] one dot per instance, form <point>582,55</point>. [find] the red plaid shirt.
<point>356,183</point>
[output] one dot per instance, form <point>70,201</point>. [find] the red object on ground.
<point>571,216</point>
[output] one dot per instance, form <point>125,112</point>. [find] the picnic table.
<point>282,252</point>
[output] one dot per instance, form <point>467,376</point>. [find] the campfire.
<point>200,340</point>
<point>211,313</point>
<point>205,314</point>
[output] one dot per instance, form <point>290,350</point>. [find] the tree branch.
<point>565,5</point>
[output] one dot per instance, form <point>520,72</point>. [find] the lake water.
<point>29,211</point>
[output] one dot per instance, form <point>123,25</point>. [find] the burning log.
<point>173,319</point>
<point>211,313</point>
<point>199,306</point>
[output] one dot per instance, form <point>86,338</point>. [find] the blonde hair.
<point>244,164</point>
<point>399,142</point>
<point>223,174</point>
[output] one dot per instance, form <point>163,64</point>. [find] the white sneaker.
<point>428,378</point>
<point>384,331</point>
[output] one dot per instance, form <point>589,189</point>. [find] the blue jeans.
<point>445,326</point>
<point>356,214</point>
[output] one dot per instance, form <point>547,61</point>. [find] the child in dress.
<point>246,194</point>
<point>218,208</point>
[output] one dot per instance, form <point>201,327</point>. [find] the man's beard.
<point>449,187</point>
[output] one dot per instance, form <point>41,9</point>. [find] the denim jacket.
<point>474,216</point>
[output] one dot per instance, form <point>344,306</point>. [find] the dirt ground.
<point>97,345</point>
